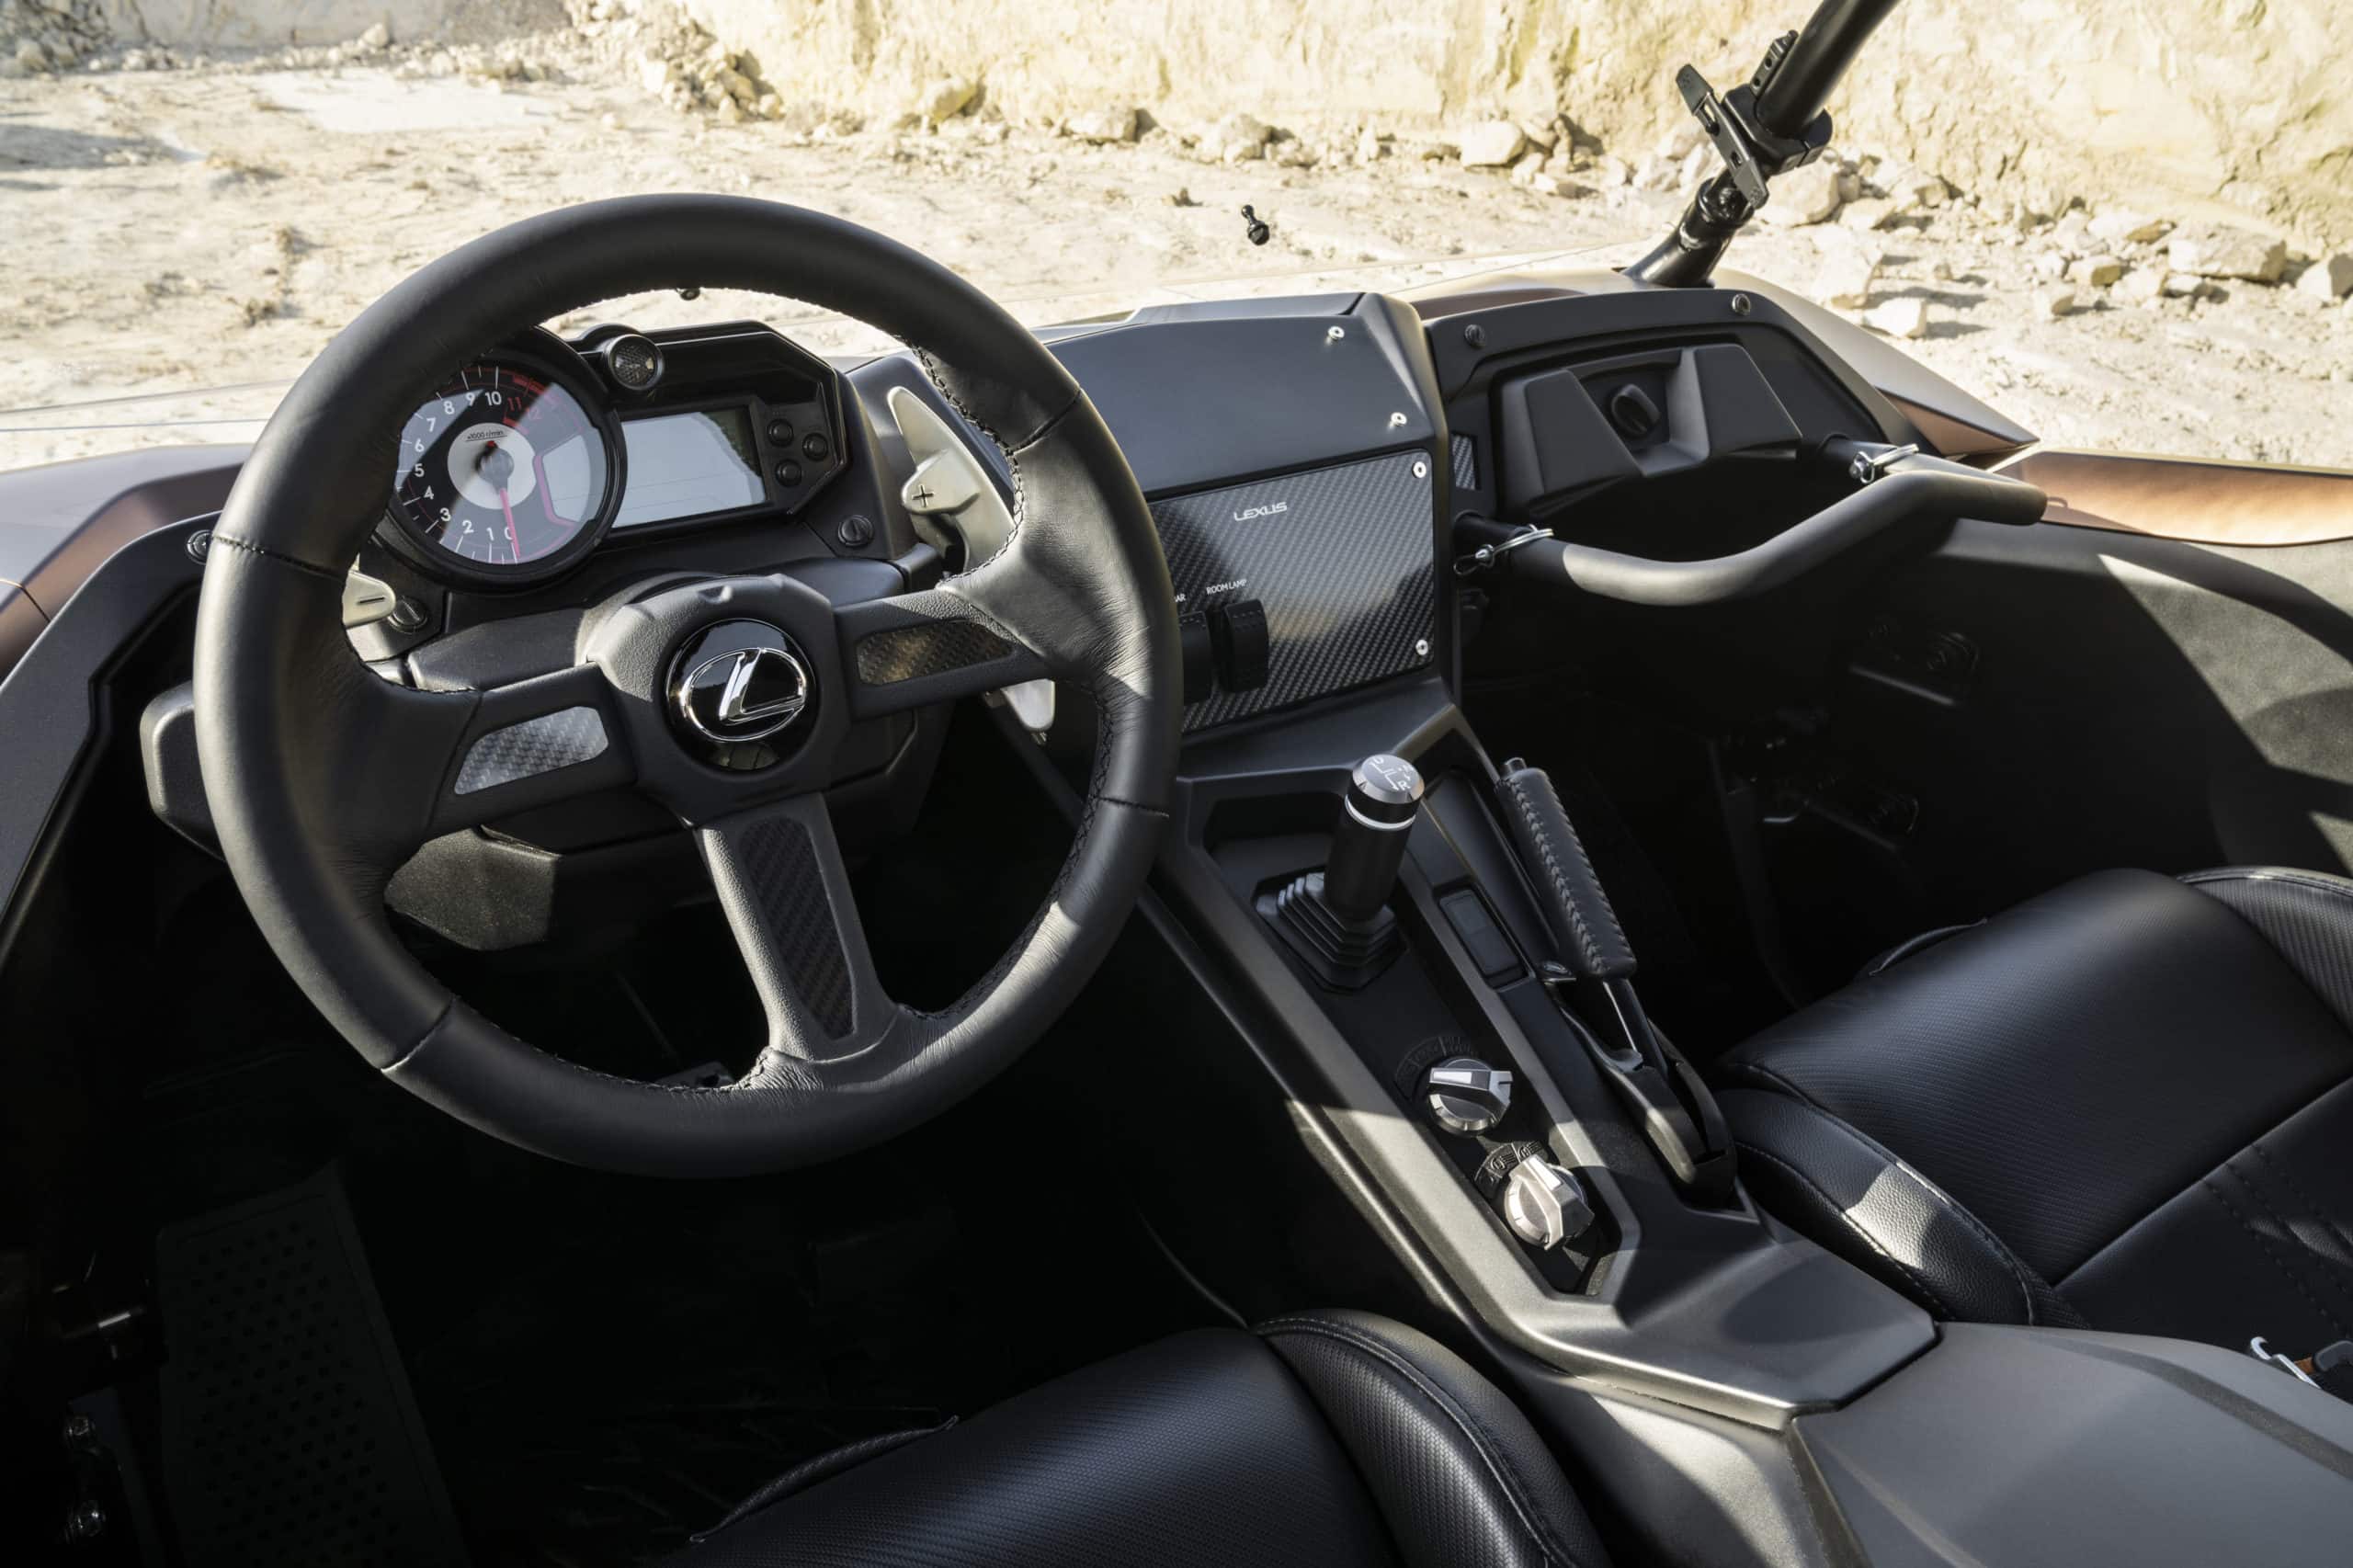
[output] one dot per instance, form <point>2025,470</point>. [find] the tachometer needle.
<point>508,507</point>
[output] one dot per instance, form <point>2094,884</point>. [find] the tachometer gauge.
<point>506,474</point>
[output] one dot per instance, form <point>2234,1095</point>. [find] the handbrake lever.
<point>1594,984</point>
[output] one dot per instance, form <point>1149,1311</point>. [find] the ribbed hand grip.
<point>1574,904</point>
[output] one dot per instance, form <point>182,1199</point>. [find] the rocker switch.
<point>1200,656</point>
<point>1238,638</point>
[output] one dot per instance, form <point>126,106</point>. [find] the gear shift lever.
<point>1377,814</point>
<point>1339,918</point>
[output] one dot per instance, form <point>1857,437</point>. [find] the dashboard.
<point>1287,451</point>
<point>1323,469</point>
<point>1309,462</point>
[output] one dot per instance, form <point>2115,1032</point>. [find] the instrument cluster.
<point>528,458</point>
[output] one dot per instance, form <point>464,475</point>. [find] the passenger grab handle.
<point>1905,489</point>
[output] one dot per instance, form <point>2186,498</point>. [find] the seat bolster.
<point>1201,1448</point>
<point>2260,1244</point>
<point>2307,915</point>
<point>1851,1195</point>
<point>1459,1474</point>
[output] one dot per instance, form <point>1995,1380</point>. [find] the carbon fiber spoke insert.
<point>534,746</point>
<point>910,652</point>
<point>779,863</point>
<point>1341,559</point>
<point>1465,454</point>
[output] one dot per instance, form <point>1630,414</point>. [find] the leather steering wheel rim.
<point>310,760</point>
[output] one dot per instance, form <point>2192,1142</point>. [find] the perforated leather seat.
<point>2123,1104</point>
<point>1326,1438</point>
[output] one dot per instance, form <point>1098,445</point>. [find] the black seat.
<point>2124,1104</point>
<point>1334,1437</point>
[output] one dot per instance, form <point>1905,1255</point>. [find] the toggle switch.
<point>1238,635</point>
<point>1199,657</point>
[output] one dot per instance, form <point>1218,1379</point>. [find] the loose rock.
<point>2123,226</point>
<point>1906,316</point>
<point>2329,279</point>
<point>2073,235</point>
<point>2141,286</point>
<point>1235,138</point>
<point>945,100</point>
<point>1850,266</point>
<point>2219,250</point>
<point>2050,305</point>
<point>1492,144</point>
<point>1867,215</point>
<point>1910,189</point>
<point>1803,196</point>
<point>1102,127</point>
<point>2096,271</point>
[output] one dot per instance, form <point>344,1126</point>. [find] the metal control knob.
<point>1543,1204</point>
<point>1466,1094</point>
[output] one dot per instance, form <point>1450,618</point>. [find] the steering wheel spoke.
<point>786,893</point>
<point>935,646</point>
<point>410,765</point>
<point>532,743</point>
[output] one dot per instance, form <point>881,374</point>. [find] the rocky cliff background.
<point>2242,107</point>
<point>2243,104</point>
<point>2124,223</point>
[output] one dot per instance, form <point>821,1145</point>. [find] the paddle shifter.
<point>1339,918</point>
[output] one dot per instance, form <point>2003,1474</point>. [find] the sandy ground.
<point>179,244</point>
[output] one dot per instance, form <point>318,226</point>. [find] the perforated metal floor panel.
<point>290,1438</point>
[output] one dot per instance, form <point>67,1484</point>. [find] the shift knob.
<point>1385,796</point>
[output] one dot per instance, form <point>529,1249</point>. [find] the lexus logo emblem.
<point>745,694</point>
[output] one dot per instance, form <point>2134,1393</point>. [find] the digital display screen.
<point>683,465</point>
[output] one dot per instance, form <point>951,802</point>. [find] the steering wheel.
<point>324,776</point>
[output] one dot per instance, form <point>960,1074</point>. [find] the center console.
<point>1409,937</point>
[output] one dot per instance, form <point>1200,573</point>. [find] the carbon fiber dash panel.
<point>1342,558</point>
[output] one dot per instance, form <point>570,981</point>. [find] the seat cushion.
<point>1327,1438</point>
<point>2107,1105</point>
